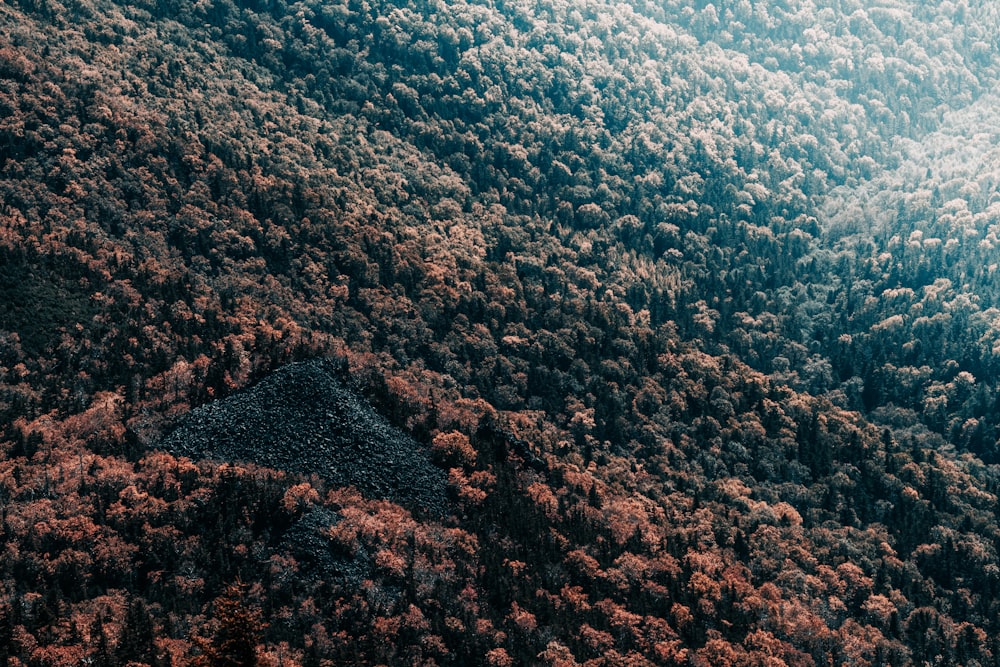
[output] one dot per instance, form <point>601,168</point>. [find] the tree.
<point>136,643</point>
<point>238,631</point>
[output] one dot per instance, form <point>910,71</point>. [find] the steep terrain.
<point>694,303</point>
<point>302,419</point>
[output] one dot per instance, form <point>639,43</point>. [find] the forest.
<point>693,307</point>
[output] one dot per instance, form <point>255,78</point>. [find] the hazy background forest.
<point>695,306</point>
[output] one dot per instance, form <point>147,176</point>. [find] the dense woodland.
<point>698,305</point>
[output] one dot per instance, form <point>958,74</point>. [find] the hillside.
<point>302,419</point>
<point>683,317</point>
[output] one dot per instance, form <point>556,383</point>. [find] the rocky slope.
<point>303,419</point>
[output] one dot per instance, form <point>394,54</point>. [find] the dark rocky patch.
<point>303,419</point>
<point>308,542</point>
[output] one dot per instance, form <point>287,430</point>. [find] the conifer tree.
<point>237,634</point>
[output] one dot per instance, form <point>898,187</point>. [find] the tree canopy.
<point>695,303</point>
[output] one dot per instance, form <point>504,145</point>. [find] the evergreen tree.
<point>136,643</point>
<point>237,634</point>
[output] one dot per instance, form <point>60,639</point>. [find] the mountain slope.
<point>611,263</point>
<point>302,419</point>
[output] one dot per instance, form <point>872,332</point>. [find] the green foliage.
<point>40,306</point>
<point>697,302</point>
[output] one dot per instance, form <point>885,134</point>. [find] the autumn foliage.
<point>695,304</point>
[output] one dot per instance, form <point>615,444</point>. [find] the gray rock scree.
<point>303,419</point>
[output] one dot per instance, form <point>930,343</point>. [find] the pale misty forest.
<point>375,332</point>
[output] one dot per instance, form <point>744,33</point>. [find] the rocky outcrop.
<point>304,419</point>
